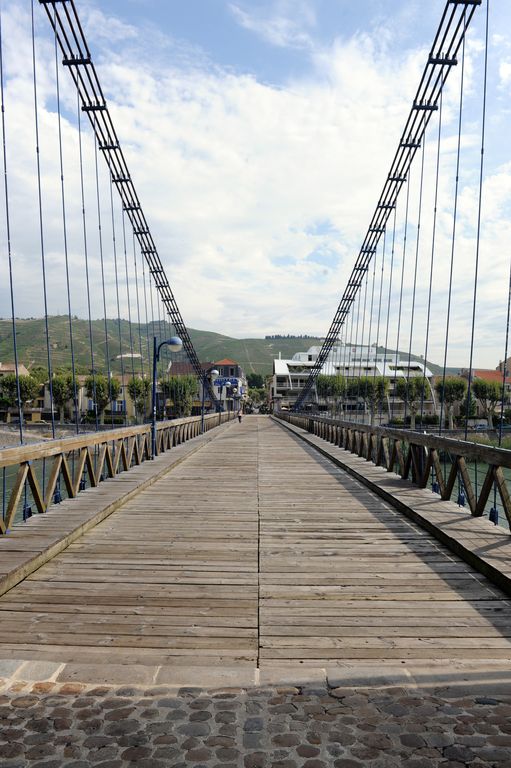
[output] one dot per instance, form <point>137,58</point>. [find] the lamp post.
<point>209,372</point>
<point>234,392</point>
<point>231,390</point>
<point>174,344</point>
<point>221,390</point>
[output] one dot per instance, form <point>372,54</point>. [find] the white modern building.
<point>289,376</point>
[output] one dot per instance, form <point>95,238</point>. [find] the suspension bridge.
<point>303,545</point>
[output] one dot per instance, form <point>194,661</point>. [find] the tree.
<point>29,389</point>
<point>373,390</point>
<point>352,389</point>
<point>338,389</point>
<point>138,390</point>
<point>102,391</point>
<point>181,390</point>
<point>9,390</point>
<point>62,388</point>
<point>489,394</point>
<point>468,410</point>
<point>255,380</point>
<point>451,392</point>
<point>331,387</point>
<point>324,386</point>
<point>39,373</point>
<point>257,394</point>
<point>411,391</point>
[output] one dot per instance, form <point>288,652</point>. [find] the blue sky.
<point>259,134</point>
<point>272,40</point>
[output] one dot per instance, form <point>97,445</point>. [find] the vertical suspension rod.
<point>63,17</point>
<point>455,20</point>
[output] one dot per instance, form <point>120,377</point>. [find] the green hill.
<point>254,355</point>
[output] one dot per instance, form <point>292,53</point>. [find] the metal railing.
<point>478,474</point>
<point>34,477</point>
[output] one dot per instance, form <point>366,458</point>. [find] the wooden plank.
<point>274,543</point>
<point>438,472</point>
<point>79,470</point>
<point>15,497</point>
<point>36,490</point>
<point>52,479</point>
<point>375,588</point>
<point>471,497</point>
<point>89,597</point>
<point>44,536</point>
<point>89,463</point>
<point>453,474</point>
<point>503,492</point>
<point>68,478</point>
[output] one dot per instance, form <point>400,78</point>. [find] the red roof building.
<point>488,374</point>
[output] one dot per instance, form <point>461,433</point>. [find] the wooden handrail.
<point>32,451</point>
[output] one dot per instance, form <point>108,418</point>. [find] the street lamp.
<point>227,384</point>
<point>209,372</point>
<point>231,390</point>
<point>174,344</point>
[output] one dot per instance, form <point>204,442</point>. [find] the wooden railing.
<point>442,463</point>
<point>44,473</point>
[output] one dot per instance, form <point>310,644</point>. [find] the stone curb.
<point>458,679</point>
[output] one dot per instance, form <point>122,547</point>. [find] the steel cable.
<point>479,209</point>
<point>41,225</point>
<point>453,236</point>
<point>9,247</point>
<point>64,228</point>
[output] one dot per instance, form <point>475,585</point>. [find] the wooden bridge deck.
<point>256,551</point>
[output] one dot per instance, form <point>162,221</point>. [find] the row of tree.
<point>290,336</point>
<point>101,389</point>
<point>413,391</point>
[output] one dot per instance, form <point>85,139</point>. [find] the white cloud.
<point>234,176</point>
<point>99,26</point>
<point>505,73</point>
<point>285,24</point>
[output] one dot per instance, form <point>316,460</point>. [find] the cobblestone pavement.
<point>49,725</point>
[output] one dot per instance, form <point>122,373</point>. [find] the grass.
<point>254,355</point>
<point>485,440</point>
